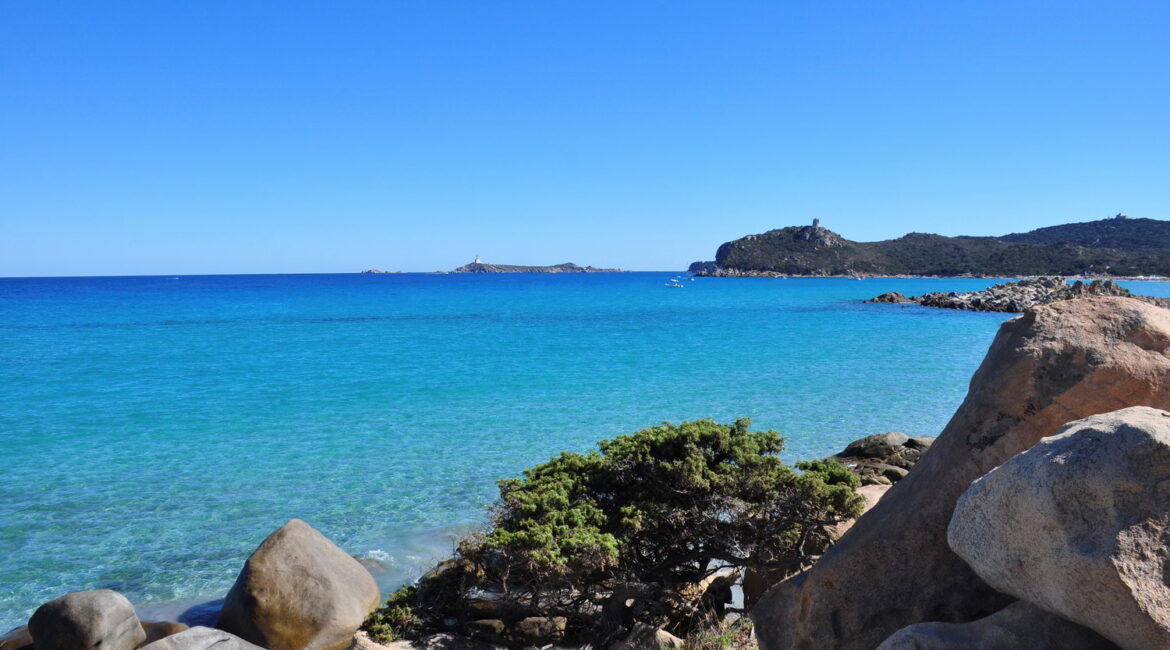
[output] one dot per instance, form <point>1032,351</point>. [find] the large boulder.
<point>1050,366</point>
<point>201,638</point>
<point>1080,525</point>
<point>1018,626</point>
<point>87,619</point>
<point>299,591</point>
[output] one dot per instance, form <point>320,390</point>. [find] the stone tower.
<point>816,223</point>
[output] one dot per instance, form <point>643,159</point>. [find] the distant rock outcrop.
<point>817,251</point>
<point>1018,296</point>
<point>1052,365</point>
<point>568,267</point>
<point>892,297</point>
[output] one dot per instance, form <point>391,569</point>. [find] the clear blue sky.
<point>251,137</point>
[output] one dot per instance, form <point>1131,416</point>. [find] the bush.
<point>395,619</point>
<point>638,530</point>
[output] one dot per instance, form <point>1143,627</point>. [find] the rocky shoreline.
<point>1018,296</point>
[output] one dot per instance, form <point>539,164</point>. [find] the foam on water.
<point>155,430</point>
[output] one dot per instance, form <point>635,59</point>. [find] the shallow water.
<point>156,429</point>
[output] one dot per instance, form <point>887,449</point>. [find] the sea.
<point>156,429</point>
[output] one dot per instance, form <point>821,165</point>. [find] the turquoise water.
<point>156,429</point>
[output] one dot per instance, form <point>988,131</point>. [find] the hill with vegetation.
<point>1119,232</point>
<point>817,251</point>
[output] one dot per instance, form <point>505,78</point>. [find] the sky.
<point>226,136</point>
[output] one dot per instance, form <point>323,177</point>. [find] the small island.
<point>479,266</point>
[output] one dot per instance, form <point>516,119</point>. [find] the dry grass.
<point>727,635</point>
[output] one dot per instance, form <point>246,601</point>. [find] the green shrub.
<point>626,533</point>
<point>395,619</point>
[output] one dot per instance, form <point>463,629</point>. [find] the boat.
<point>674,284</point>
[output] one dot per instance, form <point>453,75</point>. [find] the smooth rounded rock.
<point>18,638</point>
<point>299,591</point>
<point>201,638</point>
<point>876,446</point>
<point>161,629</point>
<point>1080,525</point>
<point>87,619</point>
<point>1019,626</point>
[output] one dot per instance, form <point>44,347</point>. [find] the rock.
<point>881,459</point>
<point>892,472</point>
<point>1018,296</point>
<point>162,629</point>
<point>1018,626</point>
<point>440,641</point>
<point>362,641</point>
<point>485,628</point>
<point>87,619</point>
<point>201,638</point>
<point>1050,366</point>
<point>921,443</point>
<point>876,446</point>
<point>646,637</point>
<point>542,630</point>
<point>298,591</point>
<point>891,297</point>
<point>17,638</point>
<point>1080,525</point>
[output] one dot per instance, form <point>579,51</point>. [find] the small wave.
<point>379,555</point>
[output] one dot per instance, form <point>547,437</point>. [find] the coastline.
<point>735,273</point>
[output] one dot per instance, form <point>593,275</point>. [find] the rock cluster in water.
<point>884,458</point>
<point>1016,296</point>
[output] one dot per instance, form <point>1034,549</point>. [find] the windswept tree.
<point>636,530</point>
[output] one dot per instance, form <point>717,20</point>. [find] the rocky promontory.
<point>1018,296</point>
<point>568,267</point>
<point>1108,247</point>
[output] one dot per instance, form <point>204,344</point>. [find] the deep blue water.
<point>156,429</point>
